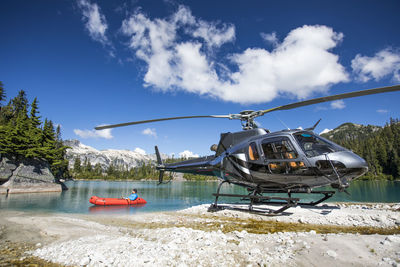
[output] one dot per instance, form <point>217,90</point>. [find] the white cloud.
<point>338,104</point>
<point>180,54</point>
<point>385,62</point>
<point>299,66</point>
<point>270,38</point>
<point>382,111</point>
<point>140,151</point>
<point>188,154</point>
<point>150,132</point>
<point>214,36</point>
<point>326,130</point>
<point>95,22</point>
<point>106,133</point>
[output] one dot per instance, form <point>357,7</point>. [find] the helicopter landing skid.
<point>256,198</point>
<point>327,195</point>
<point>286,202</point>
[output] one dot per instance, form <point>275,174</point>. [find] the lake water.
<point>169,197</point>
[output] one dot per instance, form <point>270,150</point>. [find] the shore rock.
<point>27,176</point>
<point>6,169</point>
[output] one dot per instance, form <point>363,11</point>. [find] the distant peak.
<point>326,130</point>
<point>72,142</point>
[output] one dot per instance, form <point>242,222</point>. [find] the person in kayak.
<point>133,196</point>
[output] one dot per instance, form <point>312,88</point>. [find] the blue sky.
<point>104,62</point>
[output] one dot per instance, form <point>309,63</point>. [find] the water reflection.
<point>169,197</point>
<point>374,191</point>
<point>30,201</point>
<point>116,209</point>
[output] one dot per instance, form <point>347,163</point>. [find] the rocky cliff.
<point>28,175</point>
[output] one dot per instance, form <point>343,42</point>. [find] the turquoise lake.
<point>170,197</point>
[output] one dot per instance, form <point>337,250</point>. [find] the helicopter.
<point>296,161</point>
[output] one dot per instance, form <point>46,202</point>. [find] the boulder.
<point>7,167</point>
<point>27,176</point>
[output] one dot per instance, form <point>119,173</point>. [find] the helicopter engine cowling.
<point>214,147</point>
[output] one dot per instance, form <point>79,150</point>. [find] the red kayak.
<point>115,201</point>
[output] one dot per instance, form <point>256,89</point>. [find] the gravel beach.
<point>330,234</point>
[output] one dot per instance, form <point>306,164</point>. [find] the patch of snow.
<point>326,130</point>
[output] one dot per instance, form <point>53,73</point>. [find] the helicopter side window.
<point>279,149</point>
<point>277,152</point>
<point>252,151</point>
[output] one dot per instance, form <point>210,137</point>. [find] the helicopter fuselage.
<point>285,160</point>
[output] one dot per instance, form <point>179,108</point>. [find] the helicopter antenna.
<point>282,122</point>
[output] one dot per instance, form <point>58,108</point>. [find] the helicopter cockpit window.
<point>279,149</point>
<point>313,145</point>
<point>253,153</point>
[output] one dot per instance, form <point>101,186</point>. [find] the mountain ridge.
<point>121,158</point>
<point>351,131</point>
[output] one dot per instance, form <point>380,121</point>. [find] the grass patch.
<point>14,254</point>
<point>228,224</point>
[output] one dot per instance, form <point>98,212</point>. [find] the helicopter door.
<point>253,152</point>
<point>280,156</point>
<point>254,161</point>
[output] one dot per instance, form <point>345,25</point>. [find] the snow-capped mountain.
<point>124,158</point>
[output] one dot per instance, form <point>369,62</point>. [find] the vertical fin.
<point>312,128</point>
<point>159,160</point>
<point>160,165</point>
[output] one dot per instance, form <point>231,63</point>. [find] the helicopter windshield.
<point>313,145</point>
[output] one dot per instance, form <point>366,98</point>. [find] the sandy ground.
<point>328,235</point>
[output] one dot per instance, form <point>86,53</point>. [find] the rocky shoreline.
<point>330,235</point>
<point>27,176</point>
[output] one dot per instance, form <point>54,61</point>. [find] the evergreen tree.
<point>58,133</point>
<point>88,166</point>
<point>111,170</point>
<point>2,94</point>
<point>6,113</point>
<point>97,170</point>
<point>35,119</point>
<point>19,103</point>
<point>35,132</point>
<point>20,134</point>
<point>77,165</point>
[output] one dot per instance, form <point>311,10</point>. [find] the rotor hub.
<point>246,112</point>
<point>247,117</point>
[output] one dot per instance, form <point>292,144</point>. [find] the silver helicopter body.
<point>288,159</point>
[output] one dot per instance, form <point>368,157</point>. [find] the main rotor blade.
<point>162,119</point>
<point>334,97</point>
